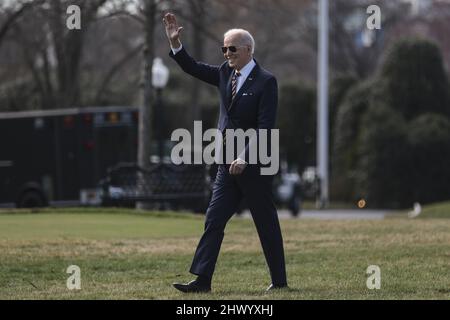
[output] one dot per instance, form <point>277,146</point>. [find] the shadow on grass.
<point>221,293</point>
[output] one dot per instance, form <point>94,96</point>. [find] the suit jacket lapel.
<point>228,93</point>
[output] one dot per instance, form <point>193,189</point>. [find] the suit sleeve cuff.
<point>176,50</point>
<point>243,161</point>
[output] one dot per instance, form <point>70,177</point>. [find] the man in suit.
<point>248,100</point>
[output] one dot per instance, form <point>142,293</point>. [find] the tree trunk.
<point>146,114</point>
<point>197,8</point>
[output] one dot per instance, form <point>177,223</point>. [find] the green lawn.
<point>124,254</point>
<point>438,210</point>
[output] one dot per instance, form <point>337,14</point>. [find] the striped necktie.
<point>234,84</point>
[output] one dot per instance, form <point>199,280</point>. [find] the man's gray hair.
<point>245,38</point>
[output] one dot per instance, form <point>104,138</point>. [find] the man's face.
<point>241,57</point>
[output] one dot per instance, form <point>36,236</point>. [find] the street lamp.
<point>160,76</point>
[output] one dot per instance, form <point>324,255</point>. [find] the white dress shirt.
<point>245,71</point>
<point>175,51</point>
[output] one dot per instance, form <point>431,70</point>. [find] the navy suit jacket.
<point>255,104</point>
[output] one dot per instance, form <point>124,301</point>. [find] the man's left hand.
<point>237,166</point>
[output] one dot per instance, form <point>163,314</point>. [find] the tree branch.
<point>114,69</point>
<point>121,13</point>
<point>16,15</point>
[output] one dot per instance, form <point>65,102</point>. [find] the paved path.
<point>331,214</point>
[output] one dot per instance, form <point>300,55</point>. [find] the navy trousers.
<point>228,191</point>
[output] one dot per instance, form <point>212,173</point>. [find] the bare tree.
<point>348,53</point>
<point>15,15</point>
<point>198,12</point>
<point>51,51</point>
<point>149,12</point>
<point>115,69</point>
<point>68,47</point>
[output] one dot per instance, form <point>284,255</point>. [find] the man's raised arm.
<point>199,70</point>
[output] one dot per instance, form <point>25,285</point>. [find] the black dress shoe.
<point>192,286</point>
<point>277,286</point>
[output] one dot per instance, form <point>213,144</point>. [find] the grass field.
<point>124,254</point>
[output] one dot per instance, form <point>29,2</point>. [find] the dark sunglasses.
<point>231,48</point>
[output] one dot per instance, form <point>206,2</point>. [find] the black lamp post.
<point>160,76</point>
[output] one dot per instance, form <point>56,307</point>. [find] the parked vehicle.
<point>287,191</point>
<point>310,183</point>
<point>57,157</point>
